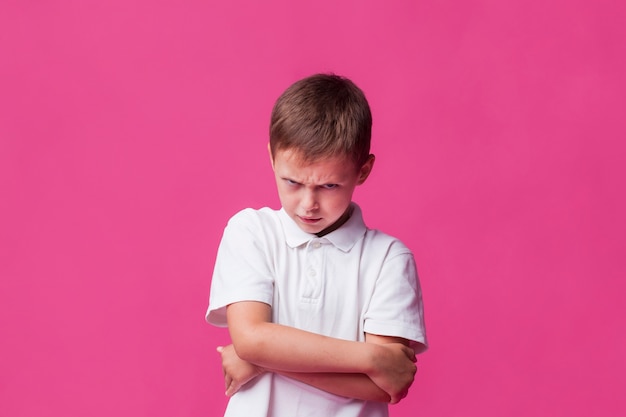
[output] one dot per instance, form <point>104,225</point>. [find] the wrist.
<point>371,359</point>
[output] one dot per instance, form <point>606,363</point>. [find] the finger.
<point>227,382</point>
<point>399,397</point>
<point>232,389</point>
<point>219,349</point>
<point>410,353</point>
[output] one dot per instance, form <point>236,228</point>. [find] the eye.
<point>330,186</point>
<point>291,182</point>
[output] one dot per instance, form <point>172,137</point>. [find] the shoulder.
<point>255,218</point>
<point>250,216</point>
<point>256,222</point>
<point>379,241</point>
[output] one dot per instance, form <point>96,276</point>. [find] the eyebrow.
<point>316,185</point>
<point>335,178</point>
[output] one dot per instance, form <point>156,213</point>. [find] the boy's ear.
<point>269,151</point>
<point>366,169</point>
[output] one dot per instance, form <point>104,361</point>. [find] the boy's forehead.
<point>293,163</point>
<point>298,158</point>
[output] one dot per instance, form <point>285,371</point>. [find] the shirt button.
<point>312,272</point>
<point>317,245</point>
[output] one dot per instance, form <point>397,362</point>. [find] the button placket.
<point>312,270</point>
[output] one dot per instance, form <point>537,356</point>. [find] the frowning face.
<point>316,195</point>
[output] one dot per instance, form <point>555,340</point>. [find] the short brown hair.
<point>320,116</point>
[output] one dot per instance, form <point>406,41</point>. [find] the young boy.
<point>325,315</point>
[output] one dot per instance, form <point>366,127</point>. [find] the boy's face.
<point>317,194</point>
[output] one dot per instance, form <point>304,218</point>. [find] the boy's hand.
<point>237,372</point>
<point>394,369</point>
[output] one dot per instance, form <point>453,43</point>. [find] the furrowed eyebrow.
<point>335,183</point>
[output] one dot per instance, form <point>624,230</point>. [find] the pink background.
<point>130,131</point>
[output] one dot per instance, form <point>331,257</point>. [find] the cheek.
<point>286,198</point>
<point>340,200</point>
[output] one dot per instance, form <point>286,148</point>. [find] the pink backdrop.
<point>131,130</point>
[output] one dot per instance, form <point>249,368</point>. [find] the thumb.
<point>220,349</point>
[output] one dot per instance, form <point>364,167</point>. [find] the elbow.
<point>383,397</point>
<point>249,346</point>
<point>378,395</point>
<point>246,352</point>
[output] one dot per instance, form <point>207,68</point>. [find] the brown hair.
<point>320,116</point>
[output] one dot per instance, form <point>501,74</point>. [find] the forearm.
<point>387,362</point>
<point>288,349</point>
<point>350,385</point>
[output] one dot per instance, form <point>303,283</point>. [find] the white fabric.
<point>350,282</point>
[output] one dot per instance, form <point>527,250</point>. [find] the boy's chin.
<point>308,228</point>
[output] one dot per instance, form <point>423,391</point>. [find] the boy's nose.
<point>309,201</point>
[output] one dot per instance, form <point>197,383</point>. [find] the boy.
<point>325,315</point>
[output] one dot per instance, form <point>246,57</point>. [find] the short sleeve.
<point>396,307</point>
<point>242,271</point>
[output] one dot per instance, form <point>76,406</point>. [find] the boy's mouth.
<point>309,220</point>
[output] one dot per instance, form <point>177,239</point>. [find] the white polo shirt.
<point>350,282</point>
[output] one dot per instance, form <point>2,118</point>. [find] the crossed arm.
<point>381,369</point>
